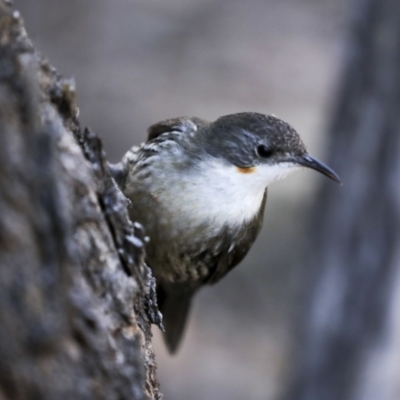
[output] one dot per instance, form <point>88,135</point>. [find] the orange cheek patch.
<point>248,170</point>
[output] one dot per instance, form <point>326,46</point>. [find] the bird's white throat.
<point>228,194</point>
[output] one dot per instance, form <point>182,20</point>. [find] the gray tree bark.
<point>351,330</point>
<point>76,299</point>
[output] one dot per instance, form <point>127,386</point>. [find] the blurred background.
<point>139,61</point>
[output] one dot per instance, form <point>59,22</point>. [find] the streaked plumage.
<point>200,189</point>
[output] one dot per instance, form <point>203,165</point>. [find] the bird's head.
<point>253,141</point>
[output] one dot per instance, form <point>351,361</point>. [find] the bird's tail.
<point>174,304</point>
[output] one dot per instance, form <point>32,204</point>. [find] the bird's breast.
<point>193,215</point>
<point>214,193</point>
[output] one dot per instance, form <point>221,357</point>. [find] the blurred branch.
<point>76,300</point>
<point>350,347</point>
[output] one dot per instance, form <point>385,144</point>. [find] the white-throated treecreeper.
<point>199,189</point>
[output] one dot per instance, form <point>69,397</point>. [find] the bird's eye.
<point>264,151</point>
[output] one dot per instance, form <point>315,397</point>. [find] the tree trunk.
<point>351,346</point>
<point>76,300</point>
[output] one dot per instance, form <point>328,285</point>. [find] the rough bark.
<point>351,347</point>
<point>76,299</point>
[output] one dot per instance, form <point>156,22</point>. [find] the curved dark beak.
<point>310,162</point>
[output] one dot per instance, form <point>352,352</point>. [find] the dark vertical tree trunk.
<point>351,335</point>
<point>76,300</point>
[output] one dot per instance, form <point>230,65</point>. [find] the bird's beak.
<point>310,162</point>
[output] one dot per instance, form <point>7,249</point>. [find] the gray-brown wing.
<point>180,124</point>
<point>172,127</point>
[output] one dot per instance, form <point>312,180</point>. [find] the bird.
<point>199,189</point>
